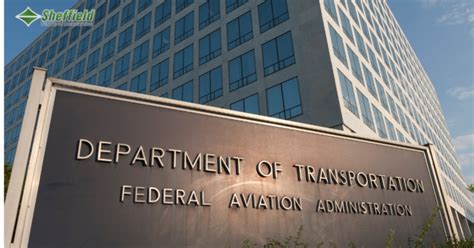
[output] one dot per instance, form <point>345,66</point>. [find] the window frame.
<point>283,113</point>
<point>242,37</point>
<point>274,21</point>
<point>213,93</point>
<point>212,54</point>
<point>281,63</point>
<point>244,79</point>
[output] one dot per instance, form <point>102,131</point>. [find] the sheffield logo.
<point>49,17</point>
<point>28,16</point>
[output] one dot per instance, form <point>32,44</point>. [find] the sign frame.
<point>23,188</point>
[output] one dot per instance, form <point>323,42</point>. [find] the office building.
<point>343,64</point>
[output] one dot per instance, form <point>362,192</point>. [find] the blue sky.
<point>440,31</point>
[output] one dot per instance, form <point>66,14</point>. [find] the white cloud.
<point>454,12</point>
<point>464,142</point>
<point>464,145</point>
<point>461,93</point>
<point>430,3</point>
<point>458,14</point>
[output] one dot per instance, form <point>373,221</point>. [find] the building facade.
<point>343,64</point>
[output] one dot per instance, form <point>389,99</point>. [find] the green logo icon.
<point>28,16</point>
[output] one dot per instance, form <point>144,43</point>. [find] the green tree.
<point>470,187</point>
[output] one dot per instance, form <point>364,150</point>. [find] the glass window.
<point>17,64</point>
<point>42,59</point>
<point>393,108</point>
<point>210,85</point>
<point>248,105</point>
<point>182,4</point>
<point>365,28</point>
<point>159,75</point>
<point>383,72</point>
<point>365,110</point>
<point>367,15</point>
<point>278,54</point>
<point>184,92</point>
<point>48,68</point>
<point>138,83</point>
<point>128,12</point>
<point>97,35</point>
<point>143,4</point>
<point>58,65</point>
<point>401,138</point>
<point>210,46</point>
<point>271,13</point>
<point>92,79</point>
<point>105,76</point>
<point>162,12</point>
<point>83,46</point>
<point>348,94</point>
<point>56,31</point>
<point>93,60</point>
<point>369,81</point>
<point>233,4</point>
<point>113,5</point>
<point>360,44</point>
<point>382,131</point>
<point>184,28</point>
<point>239,30</point>
<point>402,118</point>
<point>355,65</point>
<point>183,61</point>
<point>209,12</point>
<point>140,55</point>
<point>338,45</point>
<point>121,66</point>
<point>375,43</point>
<point>125,38</point>
<point>391,130</point>
<point>112,24</point>
<point>242,70</point>
<point>373,61</point>
<point>45,41</point>
<point>70,55</point>
<point>108,50</point>
<point>398,92</point>
<point>353,12</point>
<point>385,58</point>
<point>84,29</point>
<point>52,51</point>
<point>161,42</point>
<point>123,86</point>
<point>23,72</point>
<point>37,48</point>
<point>74,34</point>
<point>62,42</point>
<point>346,25</point>
<point>283,100</point>
<point>383,97</point>
<point>143,26</point>
<point>331,9</point>
<point>79,70</point>
<point>100,12</point>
